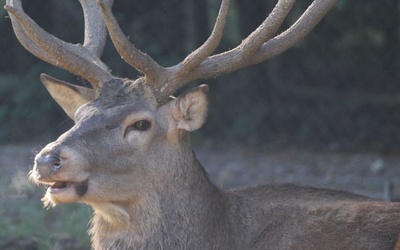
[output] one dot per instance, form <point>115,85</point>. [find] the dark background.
<point>336,90</point>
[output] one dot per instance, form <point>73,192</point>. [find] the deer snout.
<point>45,167</point>
<point>51,162</point>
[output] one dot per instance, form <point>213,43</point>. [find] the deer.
<point>129,157</point>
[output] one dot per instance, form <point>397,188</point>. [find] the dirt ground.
<point>362,173</point>
<point>231,167</point>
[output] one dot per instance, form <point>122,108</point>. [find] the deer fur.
<point>168,202</point>
<point>129,156</point>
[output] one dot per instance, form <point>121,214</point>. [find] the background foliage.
<point>338,89</point>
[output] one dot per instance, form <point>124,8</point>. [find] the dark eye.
<point>141,125</point>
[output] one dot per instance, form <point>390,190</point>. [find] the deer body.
<point>129,157</point>
<point>265,217</point>
<point>293,217</point>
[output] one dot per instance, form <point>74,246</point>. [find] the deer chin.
<point>64,192</point>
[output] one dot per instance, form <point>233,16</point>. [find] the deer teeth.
<point>59,185</point>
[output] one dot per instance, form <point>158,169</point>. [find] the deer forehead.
<point>96,114</point>
<point>117,100</point>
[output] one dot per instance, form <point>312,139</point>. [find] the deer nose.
<point>52,162</point>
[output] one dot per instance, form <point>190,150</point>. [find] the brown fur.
<point>148,191</point>
<point>397,245</point>
<point>128,156</point>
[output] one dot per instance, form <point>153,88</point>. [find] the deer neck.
<point>178,211</point>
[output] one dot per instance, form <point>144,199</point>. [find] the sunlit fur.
<point>148,190</point>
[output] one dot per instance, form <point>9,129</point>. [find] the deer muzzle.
<point>50,163</point>
<point>60,169</point>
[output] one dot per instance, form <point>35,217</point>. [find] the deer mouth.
<point>59,187</point>
<point>59,191</point>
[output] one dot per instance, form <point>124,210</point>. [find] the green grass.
<point>24,218</point>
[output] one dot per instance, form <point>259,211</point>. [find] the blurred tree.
<point>337,87</point>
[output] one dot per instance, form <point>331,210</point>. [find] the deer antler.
<point>238,57</point>
<point>162,80</point>
<point>82,60</point>
<point>257,47</point>
<point>95,29</point>
<point>260,45</point>
<point>233,60</point>
<point>134,57</point>
<point>197,56</point>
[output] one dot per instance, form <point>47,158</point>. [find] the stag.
<point>129,157</point>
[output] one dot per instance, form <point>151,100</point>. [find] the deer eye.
<point>141,125</point>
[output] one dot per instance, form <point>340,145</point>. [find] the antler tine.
<point>310,18</point>
<point>26,43</point>
<point>177,74</point>
<point>134,57</point>
<point>237,58</point>
<point>245,50</point>
<point>197,56</point>
<point>267,29</point>
<point>95,28</point>
<point>75,58</point>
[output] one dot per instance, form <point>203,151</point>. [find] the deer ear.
<point>190,108</point>
<point>70,97</point>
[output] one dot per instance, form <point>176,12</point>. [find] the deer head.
<point>130,140</point>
